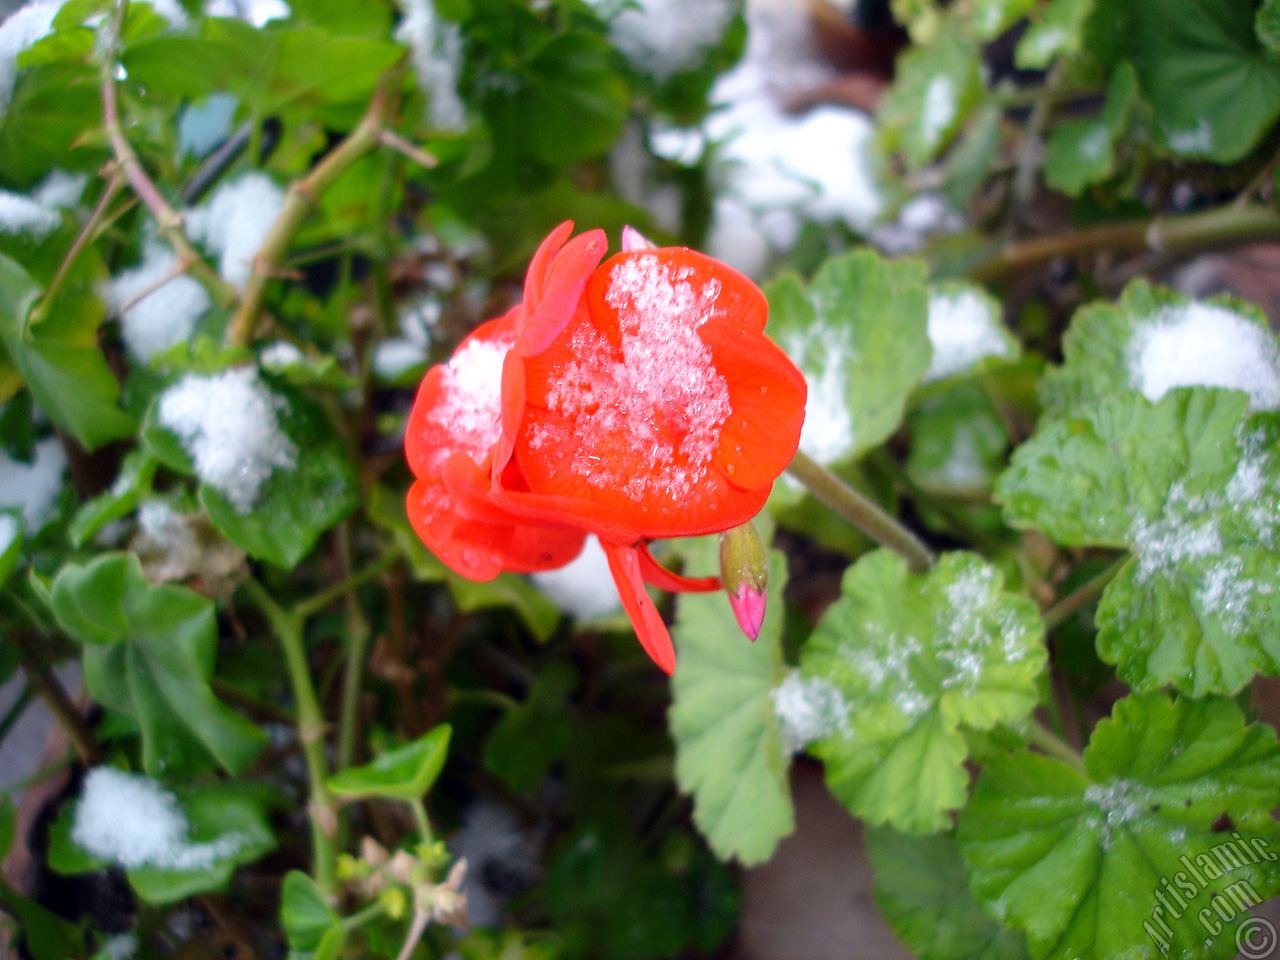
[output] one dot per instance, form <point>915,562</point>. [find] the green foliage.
<point>1080,858</point>
<point>314,930</point>
<point>858,333</point>
<point>149,653</point>
<point>729,744</point>
<point>404,773</point>
<point>1188,485</point>
<point>916,659</point>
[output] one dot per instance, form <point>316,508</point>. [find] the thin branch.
<point>1220,227</point>
<point>1079,598</point>
<point>167,218</point>
<point>298,202</point>
<point>860,511</point>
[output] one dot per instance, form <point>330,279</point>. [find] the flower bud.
<point>744,570</point>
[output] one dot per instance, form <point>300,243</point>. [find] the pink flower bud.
<point>744,570</point>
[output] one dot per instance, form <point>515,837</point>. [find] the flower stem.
<point>1080,597</point>
<point>1219,227</point>
<point>321,809</point>
<point>420,818</point>
<point>860,511</point>
<point>1054,746</point>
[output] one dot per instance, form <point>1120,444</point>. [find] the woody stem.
<point>863,513</point>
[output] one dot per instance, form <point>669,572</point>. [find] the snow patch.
<point>280,354</point>
<point>809,709</point>
<point>435,50</point>
<point>1199,344</point>
<point>236,221</point>
<point>135,822</point>
<point>664,37</point>
<point>470,408</point>
<point>828,432</point>
<point>21,30</point>
<point>939,110</point>
<point>255,12</point>
<point>1197,139</point>
<point>8,531</point>
<point>1120,801</point>
<point>583,588</point>
<point>228,424</point>
<point>171,302</point>
<point>33,486</point>
<point>963,329</point>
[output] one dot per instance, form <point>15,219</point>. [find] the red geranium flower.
<point>637,400</point>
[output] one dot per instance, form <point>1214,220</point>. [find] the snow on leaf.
<point>1153,340</point>
<point>964,329</point>
<point>936,88</point>
<point>730,753</point>
<point>1058,32</point>
<point>1124,859</point>
<point>917,658</point>
<point>858,334</point>
<point>1191,486</point>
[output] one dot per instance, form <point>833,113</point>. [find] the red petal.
<point>624,564</point>
<point>662,578</point>
<point>555,295</point>
<point>767,393</point>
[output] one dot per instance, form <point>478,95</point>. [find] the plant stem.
<point>362,916</point>
<point>357,646</point>
<point>114,183</point>
<point>1223,226</point>
<point>860,511</point>
<point>59,703</point>
<point>420,817</point>
<point>298,202</point>
<point>167,218</point>
<point>1064,607</point>
<point>317,602</point>
<point>321,809</point>
<point>1054,746</point>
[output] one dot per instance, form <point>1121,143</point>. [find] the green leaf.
<point>60,360</point>
<point>1214,88</point>
<point>531,736</point>
<point>149,654</point>
<point>1152,339</point>
<point>293,506</point>
<point>921,888</point>
<point>990,18</point>
<point>859,334</point>
<point>1057,33</point>
<point>936,87</point>
<point>1082,152</point>
<point>315,932</point>
<point>1266,24</point>
<point>574,101</point>
<point>47,935</point>
<point>958,442</point>
<point>405,773</point>
<point>1190,486</point>
<point>1129,858</point>
<point>916,658</point>
<point>729,748</point>
<point>10,542</point>
<point>228,827</point>
<point>131,485</point>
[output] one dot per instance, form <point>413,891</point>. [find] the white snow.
<point>20,31</point>
<point>394,358</point>
<point>33,486</point>
<point>662,401</point>
<point>1199,344</point>
<point>1197,139</point>
<point>8,531</point>
<point>435,47</point>
<point>280,354</point>
<point>236,221</point>
<point>828,433</point>
<point>255,12</point>
<point>663,37</point>
<point>583,588</point>
<point>775,169</point>
<point>60,189</point>
<point>164,317</point>
<point>923,216</point>
<point>939,108</point>
<point>228,425</point>
<point>133,821</point>
<point>1120,801</point>
<point>20,214</point>
<point>121,946</point>
<point>963,329</point>
<point>808,709</point>
<point>965,469</point>
<point>470,408</point>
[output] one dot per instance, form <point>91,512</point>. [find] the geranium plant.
<point>339,477</point>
